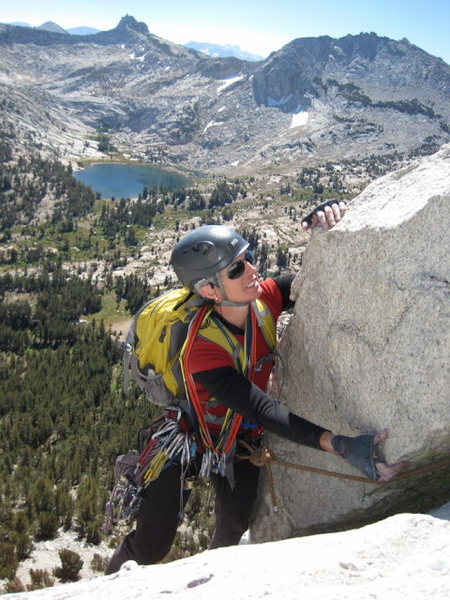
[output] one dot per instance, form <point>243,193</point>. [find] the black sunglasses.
<point>237,269</point>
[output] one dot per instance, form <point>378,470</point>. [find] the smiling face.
<point>240,280</point>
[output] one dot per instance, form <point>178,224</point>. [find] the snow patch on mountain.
<point>299,119</point>
<point>226,83</point>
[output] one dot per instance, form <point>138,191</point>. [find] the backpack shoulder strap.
<point>266,322</point>
<point>213,330</point>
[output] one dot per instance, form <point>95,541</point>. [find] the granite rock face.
<point>367,348</point>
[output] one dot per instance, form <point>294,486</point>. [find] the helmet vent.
<point>207,250</point>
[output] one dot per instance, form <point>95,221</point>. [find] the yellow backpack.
<point>153,344</point>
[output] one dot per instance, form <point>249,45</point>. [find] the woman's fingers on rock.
<point>381,436</point>
<point>388,472</point>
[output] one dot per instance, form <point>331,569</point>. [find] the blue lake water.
<point>127,181</point>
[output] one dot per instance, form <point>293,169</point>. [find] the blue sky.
<point>258,26</point>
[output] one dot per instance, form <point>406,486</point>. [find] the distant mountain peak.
<point>19,24</point>
<point>129,22</point>
<point>51,26</point>
<point>82,30</point>
<point>222,50</point>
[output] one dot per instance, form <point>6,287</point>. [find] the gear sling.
<point>157,348</point>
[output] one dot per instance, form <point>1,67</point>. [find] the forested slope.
<point>62,413</point>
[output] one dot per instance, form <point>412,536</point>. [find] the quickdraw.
<point>167,441</point>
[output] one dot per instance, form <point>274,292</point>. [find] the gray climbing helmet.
<point>205,251</point>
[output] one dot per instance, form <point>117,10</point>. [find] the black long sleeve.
<point>284,282</point>
<point>238,393</point>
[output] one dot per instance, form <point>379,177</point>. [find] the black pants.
<point>158,516</point>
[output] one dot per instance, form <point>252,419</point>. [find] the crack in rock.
<point>199,581</point>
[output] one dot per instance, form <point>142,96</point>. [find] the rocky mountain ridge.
<point>315,100</point>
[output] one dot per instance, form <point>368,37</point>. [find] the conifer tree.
<point>71,565</point>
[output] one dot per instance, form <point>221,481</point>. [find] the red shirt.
<point>207,355</point>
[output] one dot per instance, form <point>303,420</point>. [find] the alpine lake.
<point>118,180</point>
